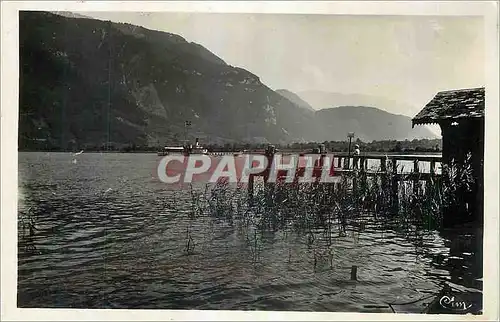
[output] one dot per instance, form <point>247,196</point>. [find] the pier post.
<point>251,179</point>
<point>415,174</point>
<point>433,168</point>
<point>383,169</point>
<point>354,273</point>
<point>347,161</point>
<point>395,186</point>
<point>354,182</point>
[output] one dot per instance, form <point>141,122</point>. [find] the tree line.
<point>415,145</point>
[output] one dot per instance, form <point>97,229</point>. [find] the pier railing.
<point>423,164</point>
<point>388,167</point>
<point>373,164</point>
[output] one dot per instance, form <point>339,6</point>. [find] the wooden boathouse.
<point>460,114</point>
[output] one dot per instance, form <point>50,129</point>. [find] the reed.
<point>320,213</point>
<point>27,229</point>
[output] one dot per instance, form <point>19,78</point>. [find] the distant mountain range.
<point>86,82</point>
<point>295,99</point>
<point>320,99</point>
<point>368,123</point>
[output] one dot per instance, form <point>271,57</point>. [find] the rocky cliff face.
<point>85,82</point>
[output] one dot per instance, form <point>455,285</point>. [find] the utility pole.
<point>186,125</point>
<point>110,66</point>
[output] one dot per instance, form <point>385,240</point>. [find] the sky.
<point>403,58</point>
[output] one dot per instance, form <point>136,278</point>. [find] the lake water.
<point>110,235</point>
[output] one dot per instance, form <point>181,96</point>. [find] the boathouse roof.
<point>452,105</point>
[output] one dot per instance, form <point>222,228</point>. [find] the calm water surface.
<point>110,235</point>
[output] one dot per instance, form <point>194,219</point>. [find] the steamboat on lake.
<point>186,149</point>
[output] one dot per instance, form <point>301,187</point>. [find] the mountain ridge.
<point>324,99</point>
<point>87,82</point>
<point>370,123</point>
<point>295,99</point>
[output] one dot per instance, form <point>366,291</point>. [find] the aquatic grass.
<point>27,227</point>
<point>458,183</point>
<point>318,214</point>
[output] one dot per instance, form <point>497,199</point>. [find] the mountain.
<point>386,108</point>
<point>368,123</point>
<point>320,100</point>
<point>69,14</point>
<point>295,99</point>
<point>91,83</point>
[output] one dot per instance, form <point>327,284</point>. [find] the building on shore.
<point>460,114</point>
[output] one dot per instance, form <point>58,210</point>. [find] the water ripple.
<point>109,236</point>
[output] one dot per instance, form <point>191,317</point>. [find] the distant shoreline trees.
<point>415,145</point>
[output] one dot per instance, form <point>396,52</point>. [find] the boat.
<point>171,150</point>
<point>198,150</point>
<point>186,149</point>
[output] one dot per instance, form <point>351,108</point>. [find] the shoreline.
<point>240,152</point>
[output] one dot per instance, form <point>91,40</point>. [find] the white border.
<point>9,121</point>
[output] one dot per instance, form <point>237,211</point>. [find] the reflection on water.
<point>104,233</point>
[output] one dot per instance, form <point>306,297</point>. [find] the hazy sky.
<point>405,58</point>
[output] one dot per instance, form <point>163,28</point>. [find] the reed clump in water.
<point>322,212</point>
<point>27,229</point>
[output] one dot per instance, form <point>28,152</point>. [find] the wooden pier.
<point>388,167</point>
<point>344,163</point>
